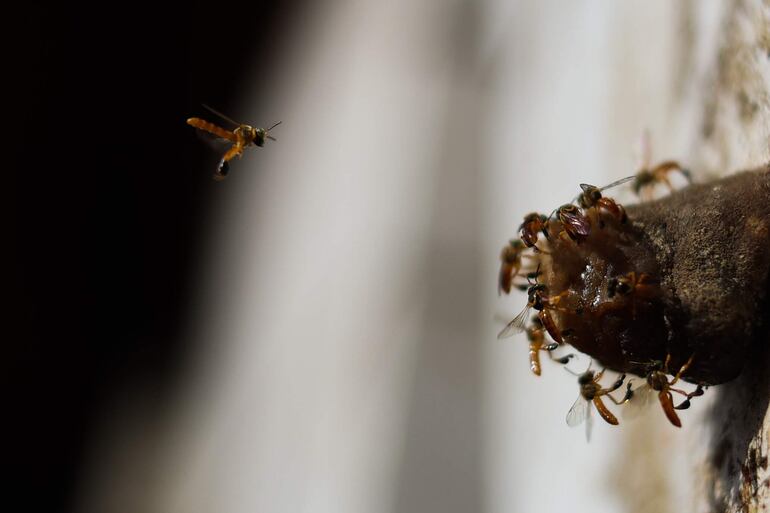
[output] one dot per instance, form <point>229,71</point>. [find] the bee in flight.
<point>241,137</point>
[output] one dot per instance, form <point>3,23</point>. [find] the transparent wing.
<point>579,411</point>
<point>618,182</point>
<point>589,423</point>
<point>218,144</point>
<point>639,402</point>
<point>516,325</point>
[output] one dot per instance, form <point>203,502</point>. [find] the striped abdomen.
<point>202,124</point>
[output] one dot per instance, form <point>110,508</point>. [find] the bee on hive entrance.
<point>591,392</point>
<point>241,137</point>
<point>510,266</point>
<point>537,342</point>
<point>591,197</point>
<point>533,224</point>
<point>657,381</point>
<point>543,303</point>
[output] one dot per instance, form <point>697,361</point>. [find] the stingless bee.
<point>592,197</point>
<point>657,381</point>
<point>537,342</point>
<point>574,222</point>
<point>510,265</point>
<point>628,287</point>
<point>592,392</point>
<point>529,228</point>
<point>647,176</point>
<point>543,303</point>
<point>241,138</point>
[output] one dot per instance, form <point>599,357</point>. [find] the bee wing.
<point>216,143</point>
<point>579,411</point>
<point>577,221</point>
<point>516,325</point>
<point>589,423</point>
<point>617,182</point>
<point>643,397</point>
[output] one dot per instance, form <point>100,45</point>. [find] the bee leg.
<point>627,397</point>
<point>686,403</point>
<point>224,165</point>
<point>682,370</point>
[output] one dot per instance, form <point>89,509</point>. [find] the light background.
<point>346,308</point>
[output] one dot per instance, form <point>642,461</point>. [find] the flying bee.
<point>538,299</point>
<point>537,342</point>
<point>574,222</point>
<point>241,137</point>
<point>529,228</point>
<point>510,264</point>
<point>592,197</point>
<point>592,392</point>
<point>657,381</point>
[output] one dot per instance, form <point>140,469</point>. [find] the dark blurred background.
<point>109,196</point>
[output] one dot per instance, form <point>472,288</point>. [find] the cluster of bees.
<point>589,291</point>
<point>239,138</point>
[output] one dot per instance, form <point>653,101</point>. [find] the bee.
<point>592,392</point>
<point>241,137</point>
<point>592,197</point>
<point>628,287</point>
<point>645,179</point>
<point>647,176</point>
<point>529,228</point>
<point>642,285</point>
<point>657,381</point>
<point>574,222</point>
<point>537,342</point>
<point>543,303</point>
<point>510,265</point>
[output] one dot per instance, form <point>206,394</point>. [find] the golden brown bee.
<point>241,138</point>
<point>657,381</point>
<point>592,392</point>
<point>629,287</point>
<point>574,222</point>
<point>641,285</point>
<point>543,303</point>
<point>533,224</point>
<point>537,343</point>
<point>591,197</point>
<point>646,178</point>
<point>510,264</point>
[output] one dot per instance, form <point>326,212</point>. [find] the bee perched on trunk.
<point>241,137</point>
<point>648,176</point>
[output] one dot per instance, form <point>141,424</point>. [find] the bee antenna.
<point>537,273</point>
<point>570,371</point>
<point>551,215</point>
<point>274,125</point>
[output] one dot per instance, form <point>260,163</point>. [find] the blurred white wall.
<point>346,311</point>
